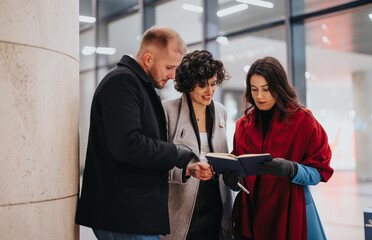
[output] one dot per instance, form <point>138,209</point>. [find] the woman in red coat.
<point>279,205</point>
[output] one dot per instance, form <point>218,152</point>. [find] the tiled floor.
<point>340,204</point>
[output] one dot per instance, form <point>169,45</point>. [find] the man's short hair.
<point>160,36</point>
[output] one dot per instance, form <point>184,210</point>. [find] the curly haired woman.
<point>200,207</point>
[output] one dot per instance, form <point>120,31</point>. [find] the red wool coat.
<point>280,212</point>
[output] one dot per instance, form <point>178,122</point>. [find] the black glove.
<point>231,179</point>
<point>184,155</point>
<point>279,167</point>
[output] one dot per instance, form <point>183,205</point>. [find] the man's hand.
<point>200,171</point>
<point>279,167</point>
<point>184,155</point>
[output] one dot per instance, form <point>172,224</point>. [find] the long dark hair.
<point>279,86</point>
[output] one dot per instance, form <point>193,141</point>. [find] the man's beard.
<point>155,83</point>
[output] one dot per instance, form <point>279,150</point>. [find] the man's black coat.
<point>125,182</point>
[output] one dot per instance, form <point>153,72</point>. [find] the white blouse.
<point>204,148</point>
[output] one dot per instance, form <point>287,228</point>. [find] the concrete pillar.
<point>39,108</point>
<point>362,98</point>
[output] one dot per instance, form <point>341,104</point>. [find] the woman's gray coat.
<point>182,196</point>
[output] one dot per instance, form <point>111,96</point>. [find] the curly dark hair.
<point>196,68</point>
<point>279,86</point>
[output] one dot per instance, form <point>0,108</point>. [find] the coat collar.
<point>135,67</point>
<point>209,119</point>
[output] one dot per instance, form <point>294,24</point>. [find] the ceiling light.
<point>106,50</point>
<point>370,16</point>
<point>259,3</point>
<point>325,39</point>
<point>324,27</point>
<point>222,40</point>
<point>87,51</point>
<point>192,8</point>
<point>87,19</point>
<point>231,10</point>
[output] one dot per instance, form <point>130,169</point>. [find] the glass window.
<point>339,76</point>
<point>125,36</point>
<point>103,71</point>
<point>178,15</point>
<point>85,9</point>
<point>237,54</point>
<point>112,7</point>
<point>308,6</point>
<point>87,49</point>
<point>251,15</point>
<point>194,47</point>
<point>87,88</point>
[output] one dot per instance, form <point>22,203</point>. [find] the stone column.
<point>39,108</point>
<point>362,98</point>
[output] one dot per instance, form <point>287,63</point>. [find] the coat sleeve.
<point>122,103</point>
<point>306,175</point>
<point>177,175</point>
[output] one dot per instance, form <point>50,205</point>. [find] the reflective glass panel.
<point>87,49</point>
<point>108,8</point>
<point>250,15</point>
<point>85,9</point>
<point>339,83</point>
<point>124,35</point>
<point>308,6</point>
<point>184,16</point>
<point>237,54</point>
<point>87,88</point>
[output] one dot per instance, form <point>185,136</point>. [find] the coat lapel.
<point>184,131</point>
